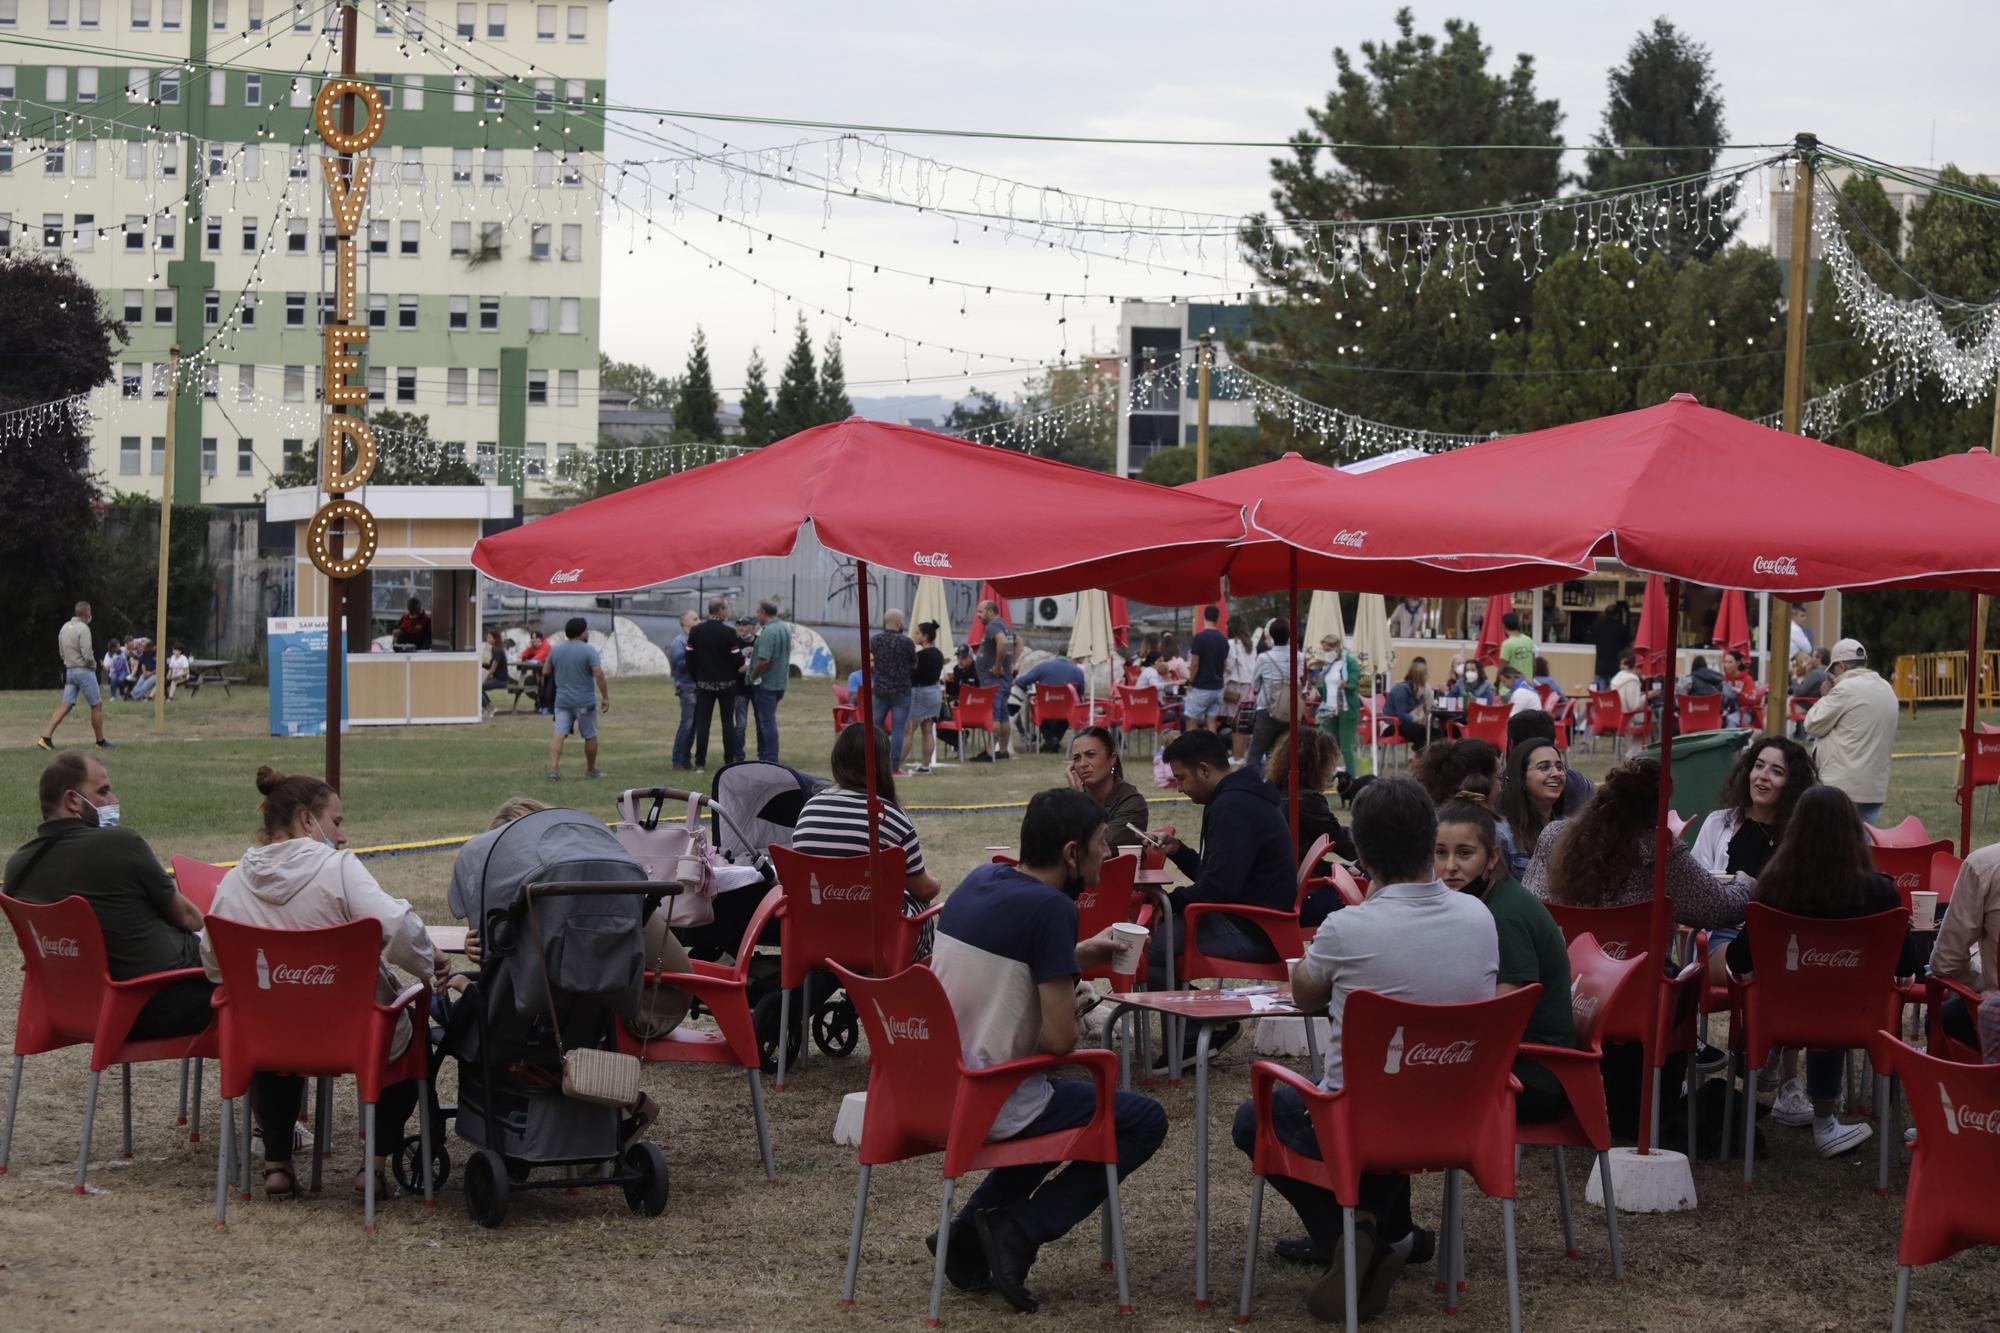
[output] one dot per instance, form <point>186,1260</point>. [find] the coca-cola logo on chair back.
<point>841,909</point>
<point>1820,983</point>
<point>298,995</point>
<point>62,955</point>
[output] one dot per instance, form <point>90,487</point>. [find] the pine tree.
<point>756,404</point>
<point>797,406</point>
<point>833,400</point>
<point>1663,97</point>
<point>696,403</point>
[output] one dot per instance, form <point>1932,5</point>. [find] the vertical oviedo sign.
<point>346,335</point>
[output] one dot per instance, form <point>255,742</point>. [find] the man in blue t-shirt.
<point>1209,658</point>
<point>575,667</point>
<point>1056,671</point>
<point>1008,956</point>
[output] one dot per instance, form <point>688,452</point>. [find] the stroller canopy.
<point>757,803</point>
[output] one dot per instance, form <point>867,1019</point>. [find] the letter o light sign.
<point>348,198</point>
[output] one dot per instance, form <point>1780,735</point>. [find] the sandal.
<point>385,1187</point>
<point>288,1190</point>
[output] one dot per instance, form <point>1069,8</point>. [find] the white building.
<point>1163,413</point>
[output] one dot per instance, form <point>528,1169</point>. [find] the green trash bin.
<point>1702,762</point>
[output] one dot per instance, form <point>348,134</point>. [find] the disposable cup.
<point>1923,910</point>
<point>1131,849</point>
<point>1131,941</point>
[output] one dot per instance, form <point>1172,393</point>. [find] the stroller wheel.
<point>647,1194</point>
<point>486,1188</point>
<point>836,1027</point>
<point>408,1164</point>
<point>764,1017</point>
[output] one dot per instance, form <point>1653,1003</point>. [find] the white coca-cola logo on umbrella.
<point>931,560</point>
<point>1786,565</point>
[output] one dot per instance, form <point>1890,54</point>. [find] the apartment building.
<point>165,146</point>
<point>1159,406</point>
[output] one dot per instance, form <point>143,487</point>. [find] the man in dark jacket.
<point>1246,852</point>
<point>1611,635</point>
<point>715,655</point>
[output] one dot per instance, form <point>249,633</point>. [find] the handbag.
<point>1279,707</point>
<point>678,852</point>
<point>602,1078</point>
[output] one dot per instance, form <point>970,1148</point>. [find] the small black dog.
<point>1347,787</point>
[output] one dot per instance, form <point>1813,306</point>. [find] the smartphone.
<point>1144,836</point>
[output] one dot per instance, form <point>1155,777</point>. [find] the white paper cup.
<point>1131,941</point>
<point>1133,850</point>
<point>1923,910</point>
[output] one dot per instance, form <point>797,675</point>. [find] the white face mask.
<point>107,815</point>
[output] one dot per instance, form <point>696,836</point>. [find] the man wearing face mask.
<point>1008,956</point>
<point>148,925</point>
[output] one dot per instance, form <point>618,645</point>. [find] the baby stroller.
<point>764,800</point>
<point>560,908</point>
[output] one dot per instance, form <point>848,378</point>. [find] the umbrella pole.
<point>1972,665</point>
<point>868,719</point>
<point>1662,848</point>
<point>1298,660</point>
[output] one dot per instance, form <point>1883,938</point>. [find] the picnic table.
<point>210,671</point>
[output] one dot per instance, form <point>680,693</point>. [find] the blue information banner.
<point>297,648</point>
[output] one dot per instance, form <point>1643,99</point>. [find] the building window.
<point>461,92</point>
<point>163,306</point>
<point>413,166</point>
<point>489,314</point>
<point>211,308</point>
<point>128,455</point>
<point>170,15</point>
<point>538,314</point>
<point>290,452</point>
<point>569,315</point>
<point>131,382</point>
<point>413,19</point>
<point>212,235</point>
<point>295,236</point>
<point>454,386</point>
<point>566,388</point>
<point>8,85</point>
<point>218,88</point>
<point>135,231</point>
<point>86,84</point>
<point>572,242</point>
<point>406,312</point>
<point>460,308</point>
<point>538,240</point>
<point>247,310</point>
<point>218,15</point>
<point>486,458</point>
<point>57,83</point>
<point>170,161</point>
<point>249,236</point>
<point>545,23</point>
<point>58,13</point>
<point>461,240</point>
<point>218,160</point>
<point>378,383</point>
<point>573,94</point>
<point>246,457</point>
<point>406,385</point>
<point>52,231</point>
<point>378,311</point>
<point>295,310</point>
<point>89,13</point>
<point>208,455</point>
<point>578,23</point>
<point>295,384</point>
<point>538,388</point>
<point>163,232</point>
<point>496,20</point>
<point>135,305</point>
<point>170,87</point>
<point>461,166</point>
<point>325,310</point>
<point>545,167</point>
<point>468,20</point>
<point>85,159</point>
<point>545,94</point>
<point>158,459</point>
<point>378,237</point>
<point>159,376</point>
<point>495,172</point>
<point>55,159</point>
<point>329,239</point>
<point>535,460</point>
<point>489,386</point>
<point>495,100</point>
<point>299,168</point>
<point>84,234</point>
<point>138,85</point>
<point>255,18</point>
<point>253,90</point>
<point>246,383</point>
<point>413,92</point>
<point>142,15</point>
<point>566,460</point>
<point>211,380</point>
<point>302,93</point>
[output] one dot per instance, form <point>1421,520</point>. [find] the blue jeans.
<point>765,704</point>
<point>1049,1211</point>
<point>1870,814</point>
<point>684,732</point>
<point>1386,1195</point>
<point>897,710</point>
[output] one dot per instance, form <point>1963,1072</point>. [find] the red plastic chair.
<point>1132,670</point>
<point>1564,714</point>
<point>1939,989</point>
<point>303,1002</point>
<point>1636,725</point>
<point>1796,708</point>
<point>1909,833</point>
<point>1699,712</point>
<point>197,881</point>
<point>1910,867</point>
<point>1047,702</point>
<point>1383,729</point>
<point>1944,875</point>
<point>1427,1088</point>
<point>844,716</point>
<point>842,697</point>
<point>1105,904</point>
<point>839,909</point>
<point>974,713</point>
<point>1545,693</point>
<point>724,992</point>
<point>1139,706</point>
<point>1822,984</point>
<point>1281,928</point>
<point>1487,722</point>
<point>1598,982</point>
<point>923,1099</point>
<point>69,999</point>
<point>1607,716</point>
<point>1948,1200</point>
<point>1981,751</point>
<point>1675,824</point>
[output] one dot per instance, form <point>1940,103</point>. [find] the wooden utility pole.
<point>1777,677</point>
<point>336,589</point>
<point>166,530</point>
<point>1201,406</point>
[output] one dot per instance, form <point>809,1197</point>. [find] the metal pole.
<point>1298,661</point>
<point>166,527</point>
<point>1971,725</point>
<point>336,589</point>
<point>1201,406</point>
<point>867,702</point>
<point>1662,846</point>
<point>1775,702</point>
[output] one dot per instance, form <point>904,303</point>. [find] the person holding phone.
<point>1096,770</point>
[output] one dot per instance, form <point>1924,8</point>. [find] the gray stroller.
<point>559,907</point>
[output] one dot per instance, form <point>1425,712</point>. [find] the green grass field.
<point>1812,1247</point>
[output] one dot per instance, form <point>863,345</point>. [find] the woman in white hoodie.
<point>298,878</point>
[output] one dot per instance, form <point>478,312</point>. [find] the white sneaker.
<point>1833,1138</point>
<point>1792,1106</point>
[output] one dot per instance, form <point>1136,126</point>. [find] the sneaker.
<point>554,776</point>
<point>44,743</point>
<point>105,745</point>
<point>921,769</point>
<point>1833,1138</point>
<point>592,774</point>
<point>899,773</point>
<point>1710,1060</point>
<point>981,758</point>
<point>1004,754</point>
<point>1009,1255</point>
<point>1792,1106</point>
<point>964,1259</point>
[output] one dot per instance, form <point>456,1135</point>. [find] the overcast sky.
<point>1910,84</point>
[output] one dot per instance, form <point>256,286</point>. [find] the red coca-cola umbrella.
<point>870,492</point>
<point>975,633</point>
<point>1487,651</point>
<point>1652,642</point>
<point>1732,623</point>
<point>1121,621</point>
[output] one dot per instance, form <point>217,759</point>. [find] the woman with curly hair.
<point>1757,803</point>
<point>1533,792</point>
<point>1444,768</point>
